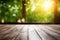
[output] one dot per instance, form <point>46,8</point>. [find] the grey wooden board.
<point>29,32</point>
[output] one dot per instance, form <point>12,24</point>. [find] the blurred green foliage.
<point>35,14</point>
<point>11,11</point>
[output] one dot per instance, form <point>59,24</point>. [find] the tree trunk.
<point>55,12</point>
<point>23,11</point>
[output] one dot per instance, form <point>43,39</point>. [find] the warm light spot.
<point>33,8</point>
<point>47,4</point>
<point>19,21</point>
<point>2,20</point>
<point>23,20</point>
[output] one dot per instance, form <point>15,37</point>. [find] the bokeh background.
<point>36,11</point>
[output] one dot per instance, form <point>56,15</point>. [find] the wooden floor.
<point>29,32</point>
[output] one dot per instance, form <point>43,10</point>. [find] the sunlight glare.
<point>47,5</point>
<point>33,8</point>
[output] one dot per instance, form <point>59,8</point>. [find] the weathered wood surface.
<point>29,32</point>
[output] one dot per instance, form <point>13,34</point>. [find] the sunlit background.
<point>37,11</point>
<point>41,10</point>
